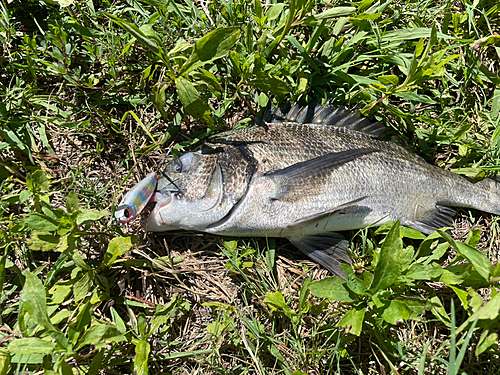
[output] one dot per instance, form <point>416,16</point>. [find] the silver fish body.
<point>306,174</point>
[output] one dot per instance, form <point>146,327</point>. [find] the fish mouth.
<point>151,220</point>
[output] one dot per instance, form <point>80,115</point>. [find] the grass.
<point>94,94</point>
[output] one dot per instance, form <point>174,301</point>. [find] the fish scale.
<point>304,173</point>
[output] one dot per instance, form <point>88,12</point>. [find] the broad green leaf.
<point>174,309</point>
<point>455,274</point>
<point>31,345</point>
<point>273,85</point>
<point>135,32</point>
<point>333,288</point>
<point>60,291</point>
<point>84,285</point>
<point>396,311</point>
<point>38,181</point>
<point>141,325</point>
<point>353,320</point>
<point>490,310</point>
<point>217,43</point>
<point>79,261</point>
<point>212,46</point>
<point>257,8</point>
<point>478,260</point>
<point>96,364</point>
<point>209,79</point>
<point>417,271</point>
<point>25,195</point>
<point>462,295</point>
<point>416,306</point>
<point>4,361</point>
<point>274,11</point>
<point>276,302</point>
<point>72,202</point>
<point>150,33</point>
<point>158,98</point>
<point>492,39</point>
<point>90,215</point>
<point>40,222</point>
<point>473,173</point>
<point>117,247</point>
<point>354,283</point>
<point>411,33</point>
<point>83,319</point>
<point>142,349</point>
<point>235,60</point>
<point>158,4</point>
<point>100,335</point>
<point>119,323</point>
<point>438,310</point>
<point>331,13</point>
<point>495,110</point>
<point>474,237</point>
<point>60,316</point>
<point>180,47</point>
<point>191,100</point>
<point>365,16</point>
<point>389,265</point>
<point>486,340</point>
<point>33,300</point>
<point>389,80</point>
<point>304,294</point>
<point>41,241</point>
<point>415,97</point>
<point>364,5</point>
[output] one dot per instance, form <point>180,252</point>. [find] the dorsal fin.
<point>314,113</point>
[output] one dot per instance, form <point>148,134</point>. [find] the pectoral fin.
<point>328,249</point>
<point>294,182</point>
<point>320,215</point>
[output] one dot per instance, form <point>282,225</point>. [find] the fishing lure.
<point>134,202</point>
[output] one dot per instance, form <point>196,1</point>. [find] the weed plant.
<point>95,94</point>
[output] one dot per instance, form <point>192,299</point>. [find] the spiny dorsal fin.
<point>314,113</point>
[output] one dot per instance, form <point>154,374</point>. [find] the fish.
<point>135,201</point>
<point>305,173</point>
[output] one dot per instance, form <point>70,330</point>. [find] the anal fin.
<point>439,218</point>
<point>328,249</point>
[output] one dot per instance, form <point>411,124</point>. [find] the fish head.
<point>188,195</point>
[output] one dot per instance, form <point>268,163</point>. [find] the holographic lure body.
<point>136,199</point>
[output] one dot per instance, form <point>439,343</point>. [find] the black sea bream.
<point>305,173</point>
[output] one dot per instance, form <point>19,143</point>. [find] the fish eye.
<point>182,164</point>
<point>174,166</point>
<point>178,166</point>
<point>188,161</point>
